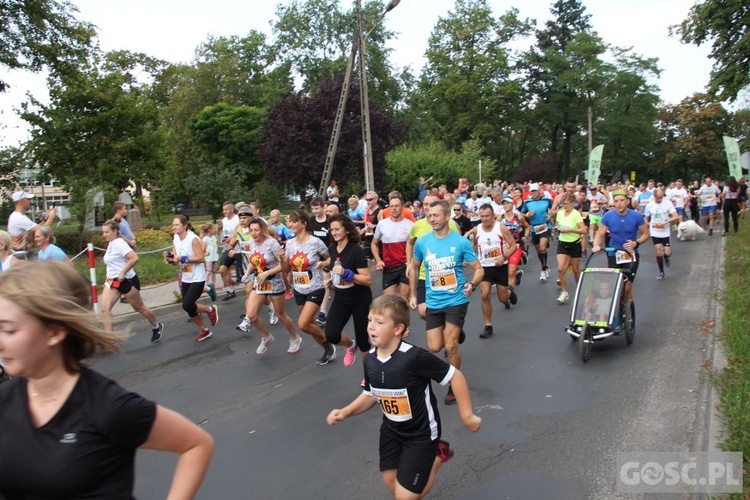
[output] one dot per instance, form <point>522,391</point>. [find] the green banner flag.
<point>733,157</point>
<point>595,164</point>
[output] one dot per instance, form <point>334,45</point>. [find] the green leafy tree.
<point>726,24</point>
<point>37,34</point>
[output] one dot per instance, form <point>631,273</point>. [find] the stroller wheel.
<point>585,341</point>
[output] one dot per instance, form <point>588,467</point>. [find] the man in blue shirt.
<point>120,212</point>
<point>623,224</point>
<point>447,291</point>
<point>537,209</point>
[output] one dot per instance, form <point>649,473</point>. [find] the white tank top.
<point>490,245</point>
<point>191,272</point>
<point>6,263</point>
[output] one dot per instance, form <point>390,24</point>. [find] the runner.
<point>572,228</point>
<point>45,240</point>
<point>300,258</point>
<point>678,195</point>
<point>517,226</point>
<point>598,198</point>
<point>447,291</point>
<point>708,194</point>
<point>659,214</point>
<point>495,245</point>
<point>397,376</point>
<point>20,227</point>
<point>319,227</point>
<point>7,260</point>
<point>393,232</point>
<point>730,198</point>
<point>228,227</point>
<point>537,210</point>
<point>188,252</point>
<point>350,276</point>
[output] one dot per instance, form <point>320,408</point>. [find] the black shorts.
<point>537,238</point>
<point>612,263</point>
<point>661,241</point>
<point>451,314</point>
<point>394,276</point>
<point>128,284</point>
<point>572,248</point>
<point>316,297</point>
<point>421,292</point>
<point>411,458</point>
<point>227,260</point>
<point>497,275</point>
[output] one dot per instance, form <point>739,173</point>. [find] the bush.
<point>153,238</point>
<point>73,242</point>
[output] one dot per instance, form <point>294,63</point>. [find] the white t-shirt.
<point>658,215</point>
<point>678,196</point>
<point>708,195</point>
<point>115,260</point>
<point>473,206</point>
<point>18,226</point>
<point>228,227</point>
<point>191,272</point>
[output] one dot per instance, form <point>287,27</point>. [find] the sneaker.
<point>294,345</point>
<point>668,262</point>
<point>203,335</point>
<point>661,276</point>
<point>229,296</point>
<point>156,332</point>
<point>519,275</point>
<point>211,292</point>
<point>450,399</point>
<point>351,355</point>
<point>328,355</point>
<point>525,257</point>
<point>445,452</point>
<point>487,332</point>
<point>264,344</point>
<point>710,232</point>
<point>288,295</point>
<point>506,304</point>
<point>243,327</point>
<point>461,336</point>
<point>213,315</point>
<point>272,317</point>
<point>543,277</point>
<point>513,297</point>
<point>557,282</point>
<point>563,298</point>
<point>546,273</point>
<point>322,318</point>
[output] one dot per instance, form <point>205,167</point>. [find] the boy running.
<point>397,376</point>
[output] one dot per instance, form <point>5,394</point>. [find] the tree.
<point>35,34</point>
<point>727,24</point>
<point>295,140</point>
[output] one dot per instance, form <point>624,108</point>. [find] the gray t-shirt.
<point>263,258</point>
<point>303,259</point>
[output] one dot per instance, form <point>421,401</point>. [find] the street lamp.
<point>358,45</point>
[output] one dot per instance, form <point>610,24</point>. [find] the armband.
<point>183,259</point>
<point>347,275</point>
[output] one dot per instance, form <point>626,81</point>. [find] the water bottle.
<point>336,273</point>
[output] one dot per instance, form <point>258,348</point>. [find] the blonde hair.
<point>205,228</point>
<point>46,231</point>
<point>6,240</point>
<point>57,295</point>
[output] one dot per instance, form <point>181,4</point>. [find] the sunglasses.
<point>369,199</point>
<point>245,214</point>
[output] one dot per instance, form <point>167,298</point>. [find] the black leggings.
<point>731,207</point>
<point>339,314</point>
<point>191,292</point>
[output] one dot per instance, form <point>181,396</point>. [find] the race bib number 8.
<point>394,403</point>
<point>443,280</point>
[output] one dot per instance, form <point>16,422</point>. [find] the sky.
<point>172,29</point>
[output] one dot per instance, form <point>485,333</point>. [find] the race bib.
<point>186,268</point>
<point>301,279</point>
<point>394,403</point>
<point>264,289</point>
<point>709,198</point>
<point>659,225</point>
<point>443,280</point>
<point>490,255</point>
<point>622,257</point>
<point>541,229</point>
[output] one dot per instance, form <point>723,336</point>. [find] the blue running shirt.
<point>541,209</point>
<point>622,227</point>
<point>443,260</point>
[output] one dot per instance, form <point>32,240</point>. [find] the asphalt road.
<point>551,423</point>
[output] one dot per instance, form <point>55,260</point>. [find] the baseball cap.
<point>534,187</point>
<point>20,195</point>
<point>507,200</point>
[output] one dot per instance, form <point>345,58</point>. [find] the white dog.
<point>688,230</point>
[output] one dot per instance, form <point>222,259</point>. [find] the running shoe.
<point>461,336</point>
<point>294,345</point>
<point>213,315</point>
<point>203,335</point>
<point>525,257</point>
<point>487,332</point>
<point>243,327</point>
<point>506,304</point>
<point>328,355</point>
<point>543,277</point>
<point>264,344</point>
<point>661,276</point>
<point>288,295</point>
<point>519,275</point>
<point>229,296</point>
<point>563,298</point>
<point>513,297</point>
<point>450,399</point>
<point>156,332</point>
<point>272,317</point>
<point>351,355</point>
<point>546,272</point>
<point>322,318</point>
<point>557,282</point>
<point>211,292</point>
<point>445,452</point>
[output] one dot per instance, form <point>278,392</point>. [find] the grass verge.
<point>733,383</point>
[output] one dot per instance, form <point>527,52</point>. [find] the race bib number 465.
<point>394,403</point>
